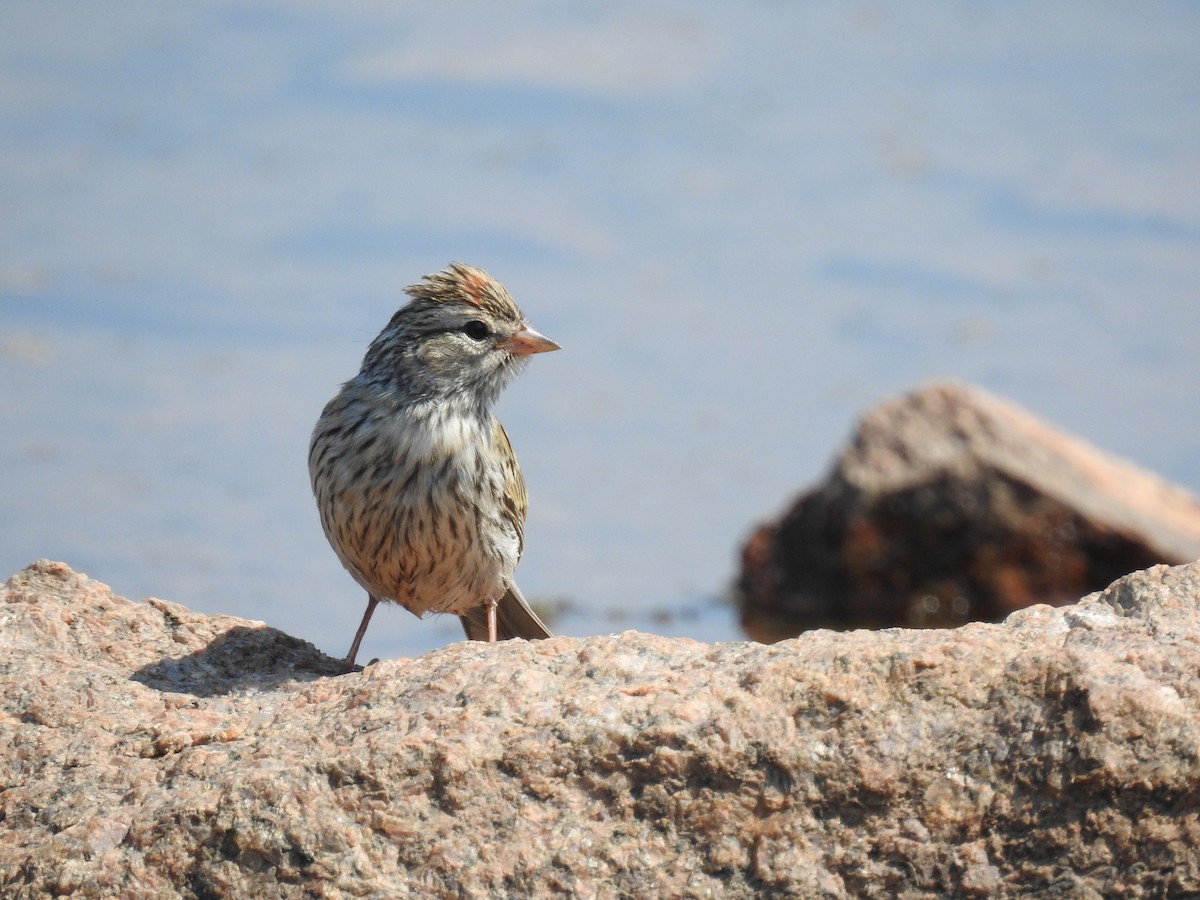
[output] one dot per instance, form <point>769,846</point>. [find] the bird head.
<point>461,336</point>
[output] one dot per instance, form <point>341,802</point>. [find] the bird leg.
<point>490,605</point>
<point>372,602</point>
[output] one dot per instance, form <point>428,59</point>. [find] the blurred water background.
<point>745,223</point>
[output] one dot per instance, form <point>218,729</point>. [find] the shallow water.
<point>745,225</point>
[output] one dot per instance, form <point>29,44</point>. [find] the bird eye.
<point>475,330</point>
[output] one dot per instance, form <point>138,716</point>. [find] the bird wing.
<point>515,501</point>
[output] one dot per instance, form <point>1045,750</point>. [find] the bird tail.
<point>514,619</point>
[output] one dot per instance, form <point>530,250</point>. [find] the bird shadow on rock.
<point>239,659</point>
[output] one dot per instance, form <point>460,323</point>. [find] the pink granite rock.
<point>146,750</point>
<point>950,505</point>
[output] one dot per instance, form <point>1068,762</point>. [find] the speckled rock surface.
<point>146,750</point>
<point>950,505</point>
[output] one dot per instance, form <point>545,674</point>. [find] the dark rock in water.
<point>950,506</point>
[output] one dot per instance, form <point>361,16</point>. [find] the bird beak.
<point>527,341</point>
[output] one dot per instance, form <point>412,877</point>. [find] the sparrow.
<point>418,488</point>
